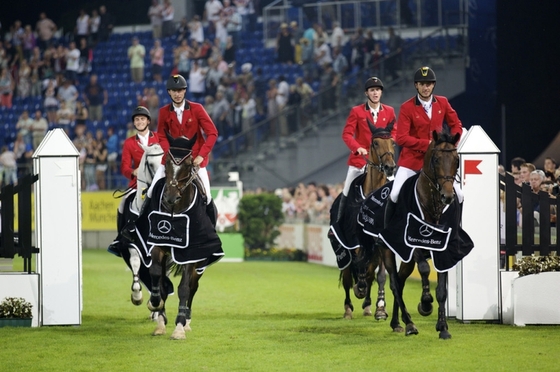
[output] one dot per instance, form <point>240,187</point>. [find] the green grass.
<point>263,316</point>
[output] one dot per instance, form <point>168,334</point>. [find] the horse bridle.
<point>150,170</point>
<point>189,178</point>
<point>381,167</point>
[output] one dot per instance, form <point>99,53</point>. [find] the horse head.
<point>441,163</point>
<point>382,149</point>
<point>150,162</point>
<point>180,173</point>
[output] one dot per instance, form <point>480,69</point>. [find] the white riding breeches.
<point>353,173</point>
<point>404,173</point>
<point>202,173</point>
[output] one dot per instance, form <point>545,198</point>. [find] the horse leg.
<point>187,289</point>
<point>347,281</point>
<point>397,284</point>
<point>380,312</point>
<point>366,305</point>
<point>136,295</point>
<point>441,296</point>
<point>425,307</point>
<point>156,302</point>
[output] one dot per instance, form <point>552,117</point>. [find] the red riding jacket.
<point>415,128</point>
<point>195,121</point>
<point>356,132</point>
<point>132,154</point>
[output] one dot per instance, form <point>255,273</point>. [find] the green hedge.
<point>259,218</point>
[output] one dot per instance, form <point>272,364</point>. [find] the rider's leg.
<point>114,247</point>
<point>402,175</point>
<point>210,206</point>
<point>351,175</point>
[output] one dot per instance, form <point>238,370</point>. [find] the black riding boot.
<point>390,209</point>
<point>211,211</point>
<point>114,247</point>
<point>341,206</point>
<point>130,227</point>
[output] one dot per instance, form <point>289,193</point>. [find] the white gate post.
<point>478,280</point>
<point>58,227</point>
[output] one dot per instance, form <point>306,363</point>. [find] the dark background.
<point>527,71</point>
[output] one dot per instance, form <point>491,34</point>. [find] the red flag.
<point>471,167</point>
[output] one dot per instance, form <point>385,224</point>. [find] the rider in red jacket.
<point>418,117</point>
<point>357,134</point>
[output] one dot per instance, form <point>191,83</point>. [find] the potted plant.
<point>15,312</point>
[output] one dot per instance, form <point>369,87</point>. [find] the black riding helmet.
<point>141,110</point>
<point>373,81</point>
<point>176,82</point>
<point>425,74</point>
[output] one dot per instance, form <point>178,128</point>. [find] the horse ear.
<point>435,135</point>
<point>192,141</point>
<point>456,138</point>
<point>142,146</point>
<point>371,126</point>
<point>169,138</point>
<point>390,126</point>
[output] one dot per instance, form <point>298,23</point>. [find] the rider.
<point>418,117</point>
<point>357,134</point>
<point>131,156</point>
<point>184,118</point>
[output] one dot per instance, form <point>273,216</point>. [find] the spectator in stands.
<point>81,116</point>
<point>212,10</point>
<point>59,59</point>
<point>234,22</point>
<point>294,103</point>
<point>230,51</point>
<point>72,63</point>
<point>86,57</point>
<point>94,22</point>
<point>357,134</point>
<point>81,30</point>
<point>29,42</point>
<point>89,164</point>
<point>50,104</point>
<point>369,46</point>
<point>8,166</point>
<point>525,171</point>
<point>272,106</point>
<point>220,115</point>
<point>536,178</point>
<point>7,85</point>
<point>64,116</point>
<point>549,165</point>
<point>340,66</point>
<point>68,93</point>
<point>100,153</point>
<point>213,77</point>
<point>38,129</point>
<point>297,33</point>
<point>357,42</point>
<point>112,150</point>
<point>168,15</point>
<point>153,106</point>
<point>282,96</point>
<point>328,82</point>
<point>516,164</point>
<point>23,126</point>
<point>221,31</point>
<point>182,30</point>
<point>155,13</point>
<point>45,29</point>
<point>284,47</point>
<point>306,93</point>
<point>136,54</point>
<point>393,63</point>
<point>307,60</point>
<point>413,132</point>
<point>156,57</point>
<point>322,53</point>
<point>249,110</point>
<point>197,82</point>
<point>196,29</point>
<point>337,36</point>
<point>106,23</point>
<point>182,58</point>
<point>24,79</point>
<point>20,147</point>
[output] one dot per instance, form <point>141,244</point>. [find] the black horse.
<point>358,265</point>
<point>428,216</point>
<point>179,236</point>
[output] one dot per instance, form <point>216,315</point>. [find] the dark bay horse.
<point>432,192</point>
<point>359,273</point>
<point>180,234</point>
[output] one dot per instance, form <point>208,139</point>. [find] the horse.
<point>180,234</point>
<point>149,163</point>
<point>432,192</point>
<point>358,269</point>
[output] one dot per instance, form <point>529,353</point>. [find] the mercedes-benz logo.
<point>164,227</point>
<point>385,193</point>
<point>425,231</point>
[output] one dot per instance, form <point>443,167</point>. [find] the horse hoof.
<point>398,329</point>
<point>178,333</point>
<point>188,326</point>
<point>445,335</point>
<point>155,308</point>
<point>138,301</point>
<point>359,293</point>
<point>160,328</point>
<point>381,314</point>
<point>367,311</point>
<point>427,311</point>
<point>411,329</point>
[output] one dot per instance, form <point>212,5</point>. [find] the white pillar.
<point>478,282</point>
<point>58,227</point>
